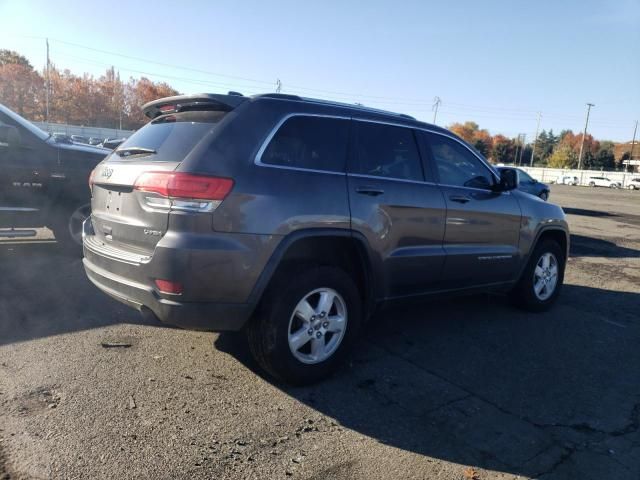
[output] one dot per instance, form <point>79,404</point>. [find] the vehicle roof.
<point>233,100</point>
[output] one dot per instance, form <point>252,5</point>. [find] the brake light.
<point>186,191</point>
<point>167,286</point>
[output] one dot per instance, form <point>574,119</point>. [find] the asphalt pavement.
<point>455,389</point>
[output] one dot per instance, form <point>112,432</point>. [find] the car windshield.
<point>41,134</point>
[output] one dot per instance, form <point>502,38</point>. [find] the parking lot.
<point>454,389</point>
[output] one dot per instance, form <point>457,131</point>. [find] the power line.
<point>412,102</point>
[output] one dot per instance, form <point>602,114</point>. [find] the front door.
<point>482,230</point>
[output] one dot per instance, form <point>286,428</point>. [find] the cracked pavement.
<point>441,390</point>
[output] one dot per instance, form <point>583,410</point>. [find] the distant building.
<point>621,148</point>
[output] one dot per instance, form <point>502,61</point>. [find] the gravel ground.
<point>460,389</point>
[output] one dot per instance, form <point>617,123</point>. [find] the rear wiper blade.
<point>125,152</point>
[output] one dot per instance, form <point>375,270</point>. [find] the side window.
<point>318,143</point>
<point>385,151</point>
<point>9,137</point>
<point>525,177</point>
<point>456,165</point>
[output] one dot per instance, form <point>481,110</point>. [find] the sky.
<point>497,63</point>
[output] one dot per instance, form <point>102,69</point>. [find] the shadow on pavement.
<point>45,292</point>
<point>476,382</point>
<point>587,213</point>
<point>583,246</point>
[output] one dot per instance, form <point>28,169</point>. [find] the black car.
<point>44,180</point>
<point>112,143</point>
<point>528,184</point>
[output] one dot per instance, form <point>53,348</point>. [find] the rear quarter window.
<point>316,143</point>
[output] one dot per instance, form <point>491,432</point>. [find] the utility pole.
<point>46,93</point>
<point>633,144</point>
<point>515,156</point>
<point>436,104</point>
<point>586,124</point>
<point>535,142</point>
<point>278,86</point>
<point>524,136</point>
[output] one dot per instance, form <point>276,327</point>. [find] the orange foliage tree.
<point>80,100</point>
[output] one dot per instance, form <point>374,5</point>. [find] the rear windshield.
<point>171,137</point>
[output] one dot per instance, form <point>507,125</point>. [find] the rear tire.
<point>542,279</point>
<point>279,337</point>
<point>592,184</point>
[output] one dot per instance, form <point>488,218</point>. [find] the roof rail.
<point>283,96</point>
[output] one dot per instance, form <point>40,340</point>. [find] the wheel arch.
<point>325,246</point>
<point>557,234</point>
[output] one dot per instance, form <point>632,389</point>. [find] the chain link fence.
<point>97,132</point>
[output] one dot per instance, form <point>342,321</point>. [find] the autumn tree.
<point>471,132</point>
<point>20,85</point>
<point>563,157</point>
<point>9,57</point>
<point>503,149</point>
<point>139,92</point>
<point>466,130</point>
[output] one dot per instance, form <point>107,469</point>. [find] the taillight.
<point>186,191</point>
<point>167,286</point>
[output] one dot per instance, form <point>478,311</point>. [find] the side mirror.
<point>9,136</point>
<point>508,180</point>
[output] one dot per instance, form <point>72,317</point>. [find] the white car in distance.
<point>602,182</point>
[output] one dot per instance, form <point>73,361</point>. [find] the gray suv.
<point>293,219</point>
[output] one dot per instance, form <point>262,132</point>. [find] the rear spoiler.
<point>204,101</point>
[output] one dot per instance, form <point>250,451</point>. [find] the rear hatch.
<point>135,189</point>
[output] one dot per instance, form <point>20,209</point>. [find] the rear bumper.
<point>211,316</point>
<point>218,272</point>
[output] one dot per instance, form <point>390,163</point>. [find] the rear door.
<point>482,226</point>
<point>135,220</point>
<point>396,207</point>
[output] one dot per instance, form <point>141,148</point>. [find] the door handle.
<point>459,198</point>
<point>371,191</point>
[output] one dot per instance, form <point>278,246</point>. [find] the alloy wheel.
<point>317,326</point>
<point>545,276</point>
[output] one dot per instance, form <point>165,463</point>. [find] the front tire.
<point>542,279</point>
<point>544,196</point>
<point>306,324</point>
